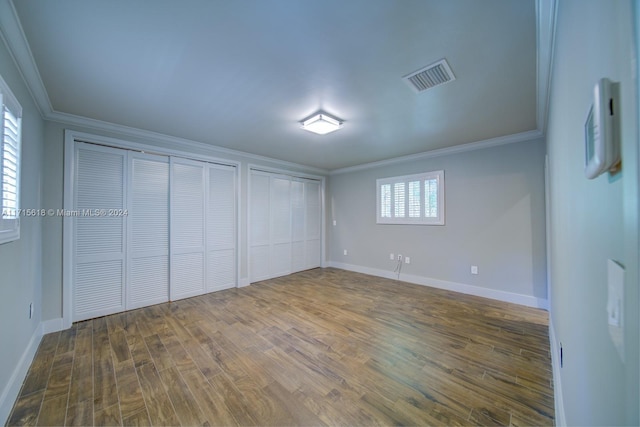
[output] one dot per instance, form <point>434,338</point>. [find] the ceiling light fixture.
<point>321,123</point>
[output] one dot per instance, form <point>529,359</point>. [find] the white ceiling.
<point>242,74</point>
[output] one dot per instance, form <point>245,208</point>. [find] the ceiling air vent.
<point>432,75</point>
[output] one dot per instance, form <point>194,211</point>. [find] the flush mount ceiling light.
<point>321,123</point>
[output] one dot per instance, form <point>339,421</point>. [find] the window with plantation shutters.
<point>10,165</point>
<point>411,199</point>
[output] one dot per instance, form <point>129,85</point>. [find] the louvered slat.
<point>148,251</point>
<point>221,228</point>
<point>99,245</point>
<point>187,229</point>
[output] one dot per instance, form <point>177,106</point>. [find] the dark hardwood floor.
<point>322,347</point>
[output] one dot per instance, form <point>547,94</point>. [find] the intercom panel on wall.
<point>602,134</point>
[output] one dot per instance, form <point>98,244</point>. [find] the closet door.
<point>187,228</point>
<point>148,238</point>
<point>259,226</point>
<point>98,231</point>
<point>298,232</point>
<point>313,223</point>
<point>280,224</point>
<point>221,228</point>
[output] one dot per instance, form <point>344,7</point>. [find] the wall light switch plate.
<point>391,257</point>
<point>474,269</point>
<point>345,251</point>
<point>407,260</point>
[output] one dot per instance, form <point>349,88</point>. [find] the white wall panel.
<point>285,215</point>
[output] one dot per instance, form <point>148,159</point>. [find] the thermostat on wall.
<point>601,130</point>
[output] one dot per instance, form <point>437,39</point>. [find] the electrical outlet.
<point>335,222</point>
<point>345,251</point>
<point>407,260</point>
<point>474,269</point>
<point>391,257</point>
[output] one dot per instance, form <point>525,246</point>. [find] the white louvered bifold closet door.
<point>187,228</point>
<point>148,238</point>
<point>221,228</point>
<point>313,223</point>
<point>280,221</point>
<point>259,234</point>
<point>99,238</point>
<point>298,234</point>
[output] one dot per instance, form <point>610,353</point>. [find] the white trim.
<point>478,145</point>
<point>560,417</point>
<point>151,137</point>
<point>546,12</point>
<point>52,325</point>
<point>13,35</point>
<point>244,282</point>
<point>526,300</point>
<point>147,148</point>
<point>12,388</point>
<point>283,172</point>
<point>68,260</point>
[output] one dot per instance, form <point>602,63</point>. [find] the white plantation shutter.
<point>99,238</point>
<point>148,216</point>
<point>10,155</point>
<point>221,228</point>
<point>400,200</point>
<point>187,228</point>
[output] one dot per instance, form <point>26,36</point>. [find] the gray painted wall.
<point>20,261</point>
<point>593,220</point>
<point>495,219</point>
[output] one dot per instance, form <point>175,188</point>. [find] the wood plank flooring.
<point>322,347</point>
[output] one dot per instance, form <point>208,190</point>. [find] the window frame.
<point>10,217</point>
<point>390,192</point>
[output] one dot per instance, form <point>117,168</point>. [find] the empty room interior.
<point>295,212</point>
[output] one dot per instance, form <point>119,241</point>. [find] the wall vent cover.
<point>430,76</point>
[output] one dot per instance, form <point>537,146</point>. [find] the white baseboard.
<point>243,282</point>
<point>557,379</point>
<point>463,288</point>
<point>13,386</point>
<point>52,325</point>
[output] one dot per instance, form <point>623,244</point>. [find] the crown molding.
<point>151,137</point>
<point>546,13</point>
<point>18,46</point>
<point>13,35</point>
<point>472,146</point>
